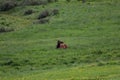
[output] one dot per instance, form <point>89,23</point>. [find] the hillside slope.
<point>91,31</point>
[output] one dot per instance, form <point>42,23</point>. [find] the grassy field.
<point>90,72</point>
<point>91,31</point>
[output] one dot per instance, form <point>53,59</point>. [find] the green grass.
<point>91,31</point>
<point>90,72</point>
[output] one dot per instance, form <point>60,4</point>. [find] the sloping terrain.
<point>91,30</point>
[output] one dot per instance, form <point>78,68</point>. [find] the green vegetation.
<point>75,73</point>
<point>91,31</point>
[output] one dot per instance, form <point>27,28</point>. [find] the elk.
<point>61,45</point>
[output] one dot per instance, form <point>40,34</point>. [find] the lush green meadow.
<point>91,31</point>
<point>90,72</point>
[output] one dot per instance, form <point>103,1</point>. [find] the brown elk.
<point>61,44</point>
